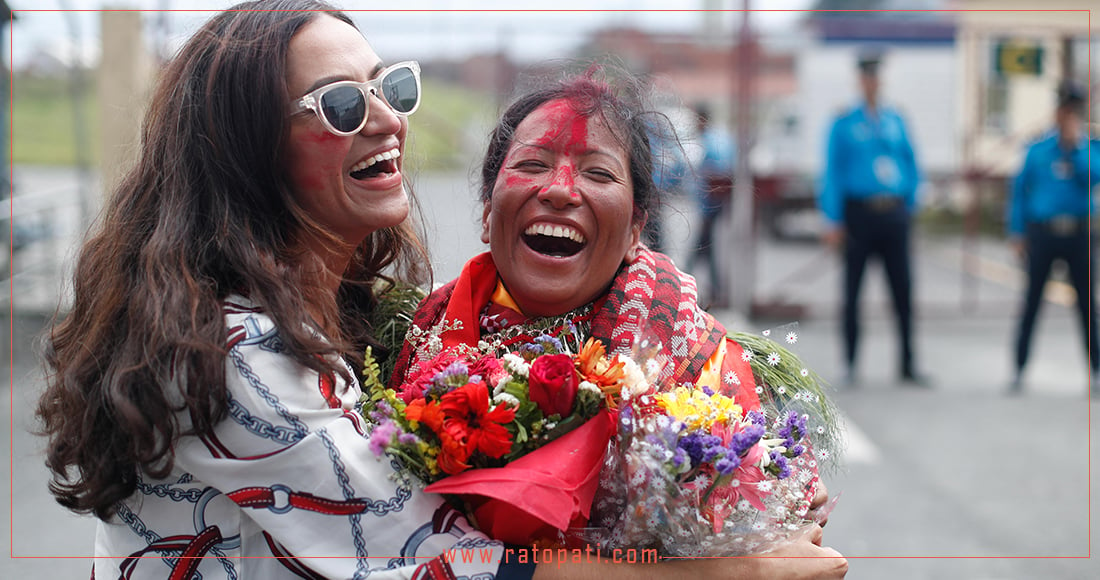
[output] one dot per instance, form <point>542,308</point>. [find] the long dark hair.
<point>622,105</point>
<point>205,212</point>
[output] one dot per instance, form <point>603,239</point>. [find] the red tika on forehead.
<point>565,122</point>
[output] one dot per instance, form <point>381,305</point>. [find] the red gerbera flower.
<point>468,419</point>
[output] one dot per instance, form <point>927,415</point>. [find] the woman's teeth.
<point>384,156</point>
<point>555,232</point>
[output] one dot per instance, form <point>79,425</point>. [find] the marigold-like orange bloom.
<point>608,375</point>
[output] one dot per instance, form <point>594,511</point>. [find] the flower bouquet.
<point>696,474</point>
<point>519,439</point>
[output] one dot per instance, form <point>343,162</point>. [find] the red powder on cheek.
<point>513,181</point>
<point>314,158</point>
<point>321,138</point>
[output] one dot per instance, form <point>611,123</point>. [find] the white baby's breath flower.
<point>505,399</point>
<point>773,358</point>
<point>590,387</point>
<point>515,364</point>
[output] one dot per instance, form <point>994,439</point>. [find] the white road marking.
<point>859,450</point>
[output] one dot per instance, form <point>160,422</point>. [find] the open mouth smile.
<point>383,164</point>
<point>554,240</point>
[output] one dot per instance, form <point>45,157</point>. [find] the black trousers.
<point>1043,248</point>
<point>876,232</point>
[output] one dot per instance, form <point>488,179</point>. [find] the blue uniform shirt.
<point>868,155</point>
<point>1053,182</point>
<point>717,161</point>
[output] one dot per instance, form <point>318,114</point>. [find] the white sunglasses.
<point>343,106</point>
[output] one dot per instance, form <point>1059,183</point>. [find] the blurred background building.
<point>974,78</point>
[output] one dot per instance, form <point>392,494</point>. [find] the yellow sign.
<point>1016,58</point>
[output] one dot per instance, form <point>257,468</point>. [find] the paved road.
<point>957,482</point>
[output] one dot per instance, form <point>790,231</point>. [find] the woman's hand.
<point>802,559</point>
<point>805,559</point>
<point>820,498</point>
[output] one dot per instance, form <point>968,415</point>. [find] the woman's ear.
<point>635,239</point>
<point>485,222</point>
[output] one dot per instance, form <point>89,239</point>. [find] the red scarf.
<point>649,297</point>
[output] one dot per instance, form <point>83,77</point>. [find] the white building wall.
<point>918,80</point>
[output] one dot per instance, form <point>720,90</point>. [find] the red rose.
<point>553,384</point>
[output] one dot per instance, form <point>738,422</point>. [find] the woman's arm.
<point>804,559</point>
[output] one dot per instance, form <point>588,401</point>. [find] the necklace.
<point>572,328</point>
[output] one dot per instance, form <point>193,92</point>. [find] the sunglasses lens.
<point>400,90</point>
<point>345,108</point>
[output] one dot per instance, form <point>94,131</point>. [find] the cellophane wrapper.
<point>646,502</point>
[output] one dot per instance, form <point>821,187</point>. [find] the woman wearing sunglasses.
<point>200,402</point>
<point>201,399</point>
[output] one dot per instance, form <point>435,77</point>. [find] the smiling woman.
<point>567,185</point>
<point>202,391</point>
<point>554,219</point>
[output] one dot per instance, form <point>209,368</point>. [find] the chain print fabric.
<point>287,476</point>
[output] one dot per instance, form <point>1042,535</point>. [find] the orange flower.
<point>469,420</point>
<point>427,413</point>
<point>452,453</point>
<point>594,367</point>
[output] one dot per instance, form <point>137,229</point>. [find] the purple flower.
<point>794,428</point>
<point>727,464</point>
<point>382,436</point>
<point>455,375</point>
<point>680,459</point>
<point>742,441</point>
<point>408,439</point>
<point>780,463</point>
<point>548,342</point>
<point>796,450</point>
<point>709,391</point>
<point>755,417</point>
<point>701,447</point>
<point>531,350</point>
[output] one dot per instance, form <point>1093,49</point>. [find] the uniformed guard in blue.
<point>1048,220</point>
<point>713,186</point>
<point>868,196</point>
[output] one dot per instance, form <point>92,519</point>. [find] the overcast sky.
<point>420,29</point>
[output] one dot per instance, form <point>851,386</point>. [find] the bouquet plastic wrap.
<point>696,474</point>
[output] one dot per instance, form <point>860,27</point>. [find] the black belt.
<point>1064,225</point>
<point>877,203</point>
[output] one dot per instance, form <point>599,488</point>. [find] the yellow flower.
<point>697,409</point>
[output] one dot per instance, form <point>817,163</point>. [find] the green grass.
<point>44,128</point>
<point>441,129</point>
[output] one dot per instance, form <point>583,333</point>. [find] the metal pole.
<point>78,91</point>
<point>741,275</point>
